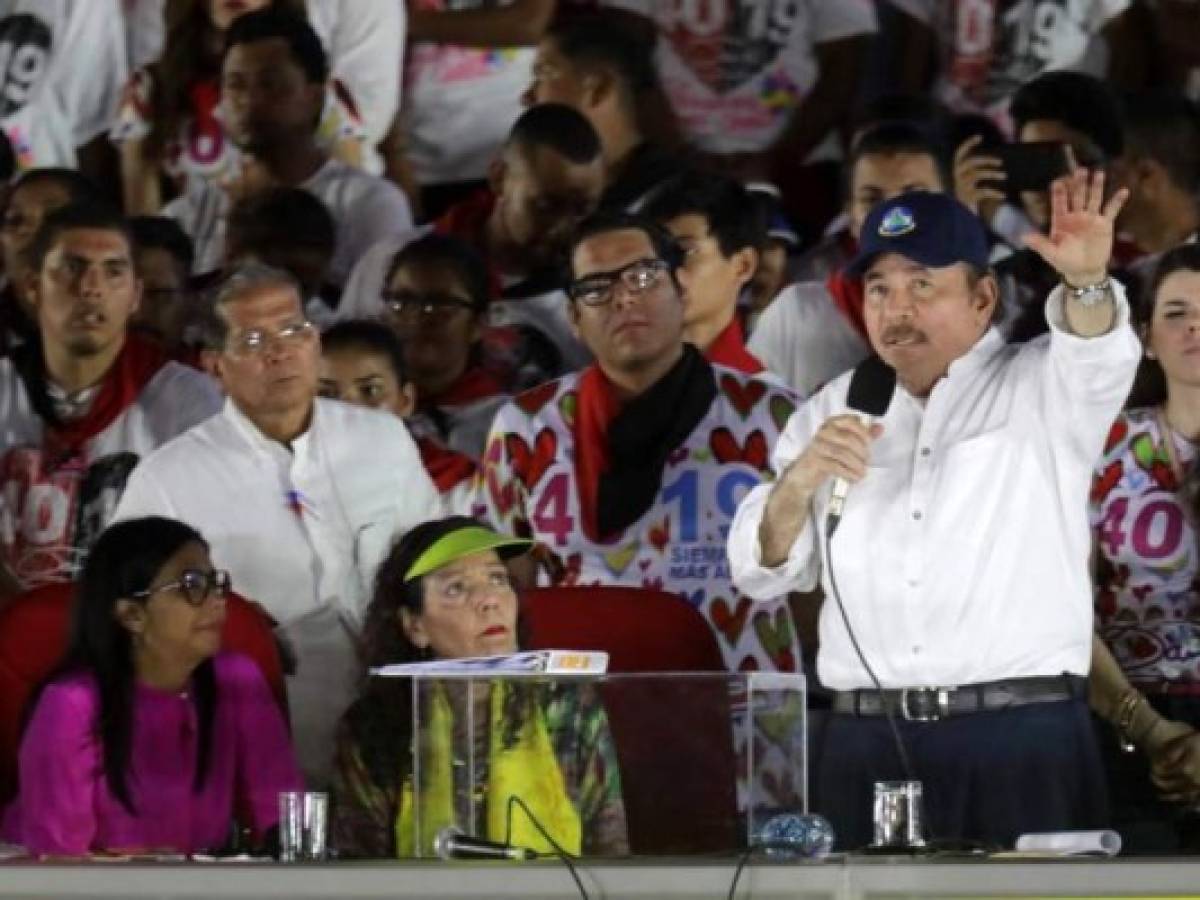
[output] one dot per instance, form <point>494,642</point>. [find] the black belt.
<point>933,703</point>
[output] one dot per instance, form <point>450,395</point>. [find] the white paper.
<point>1071,843</point>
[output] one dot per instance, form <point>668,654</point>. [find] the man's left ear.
<point>745,265</point>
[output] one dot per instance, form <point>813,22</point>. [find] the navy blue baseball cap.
<point>934,230</point>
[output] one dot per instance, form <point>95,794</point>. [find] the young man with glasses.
<point>82,402</point>
<point>299,497</point>
<point>628,473</point>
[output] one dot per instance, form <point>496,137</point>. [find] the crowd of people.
<point>376,313</point>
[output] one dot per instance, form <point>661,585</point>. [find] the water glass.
<point>302,825</point>
<point>898,814</point>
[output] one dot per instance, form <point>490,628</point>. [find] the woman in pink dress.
<point>147,738</point>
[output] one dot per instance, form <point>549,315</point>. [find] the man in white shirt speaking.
<point>962,555</point>
<point>300,498</point>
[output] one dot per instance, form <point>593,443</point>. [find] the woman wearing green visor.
<point>444,593</point>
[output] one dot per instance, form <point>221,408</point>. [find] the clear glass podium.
<point>674,763</point>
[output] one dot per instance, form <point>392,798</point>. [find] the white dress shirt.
<point>301,532</point>
<point>962,556</point>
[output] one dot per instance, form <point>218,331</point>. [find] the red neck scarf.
<point>729,349</point>
<point>598,404</point>
<point>448,468</point>
<point>847,294</point>
<point>137,363</point>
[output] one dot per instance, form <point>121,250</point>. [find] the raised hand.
<point>978,179</point>
<point>1082,226</point>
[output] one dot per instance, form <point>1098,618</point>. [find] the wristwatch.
<point>1090,294</point>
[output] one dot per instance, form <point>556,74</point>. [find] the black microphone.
<point>871,389</point>
<point>453,843</point>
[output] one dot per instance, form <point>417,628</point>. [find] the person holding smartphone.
<point>1063,120</point>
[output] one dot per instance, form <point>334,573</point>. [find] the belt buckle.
<point>941,709</point>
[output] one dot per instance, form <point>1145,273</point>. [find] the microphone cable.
<point>563,855</point>
<point>831,524</point>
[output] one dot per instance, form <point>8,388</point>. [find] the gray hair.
<point>245,278</point>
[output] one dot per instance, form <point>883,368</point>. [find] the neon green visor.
<point>464,542</point>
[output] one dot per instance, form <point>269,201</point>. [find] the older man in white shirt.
<point>300,498</point>
<point>962,555</point>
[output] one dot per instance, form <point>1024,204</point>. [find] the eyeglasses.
<point>256,341</point>
<point>429,306</point>
<point>637,277</point>
<point>195,585</point>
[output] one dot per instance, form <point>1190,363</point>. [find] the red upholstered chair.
<point>674,738</point>
<point>33,638</point>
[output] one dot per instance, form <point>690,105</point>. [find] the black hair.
<point>890,138</point>
<point>558,127</point>
<point>77,185</point>
<point>1081,102</point>
<point>368,336</point>
<point>125,559</point>
<point>8,159</point>
<point>280,216</point>
<point>665,246</point>
<point>272,23</point>
<point>611,39</point>
<point>435,249</point>
<point>1150,382</point>
<point>93,214</point>
<point>733,218</point>
<point>162,233</point>
<point>1165,126</point>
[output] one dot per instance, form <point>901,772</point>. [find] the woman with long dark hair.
<point>147,737</point>
<point>444,593</point>
<point>1145,500</point>
<point>169,125</point>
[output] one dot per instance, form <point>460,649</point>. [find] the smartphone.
<point>1030,167</point>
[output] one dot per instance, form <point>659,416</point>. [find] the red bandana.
<point>137,363</point>
<point>847,294</point>
<point>729,349</point>
<point>597,406</point>
<point>448,468</point>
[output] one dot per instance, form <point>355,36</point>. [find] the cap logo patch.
<point>898,221</point>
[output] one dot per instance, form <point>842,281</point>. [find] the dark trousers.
<point>987,776</point>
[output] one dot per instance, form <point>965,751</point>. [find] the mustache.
<point>898,333</point>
